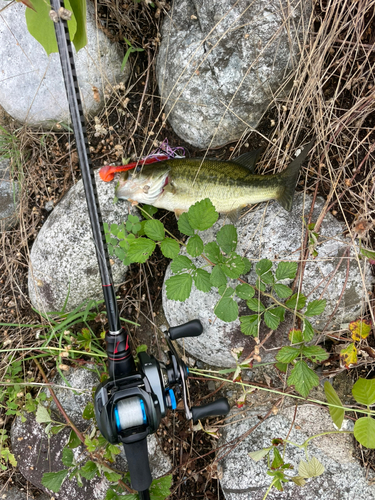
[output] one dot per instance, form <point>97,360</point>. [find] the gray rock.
<point>9,197</point>
<point>36,453</point>
<point>216,55</point>
<point>31,86</point>
<point>245,479</point>
<point>63,258</point>
<point>17,494</point>
<point>275,234</point>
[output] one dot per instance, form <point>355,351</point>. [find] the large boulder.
<point>63,259</point>
<point>221,63</point>
<point>31,85</point>
<point>276,234</point>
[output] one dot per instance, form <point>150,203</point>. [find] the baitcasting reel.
<point>130,405</point>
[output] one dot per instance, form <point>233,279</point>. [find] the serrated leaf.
<point>255,305</point>
<point>279,311</point>
<point>179,287</point>
<point>298,480</point>
<point>227,308</point>
<point>282,291</point>
<point>282,367</point>
<point>308,331</point>
<point>202,280</point>
<point>160,488</point>
<point>287,354</point>
<point>315,353</point>
<point>295,336</point>
<point>67,457</point>
<point>263,266</point>
<point>54,480</point>
<point>315,307</point>
<point>286,270</point>
<point>337,414</point>
<point>312,468</point>
<point>303,378</point>
<point>89,411</point>
<point>42,416</point>
<point>271,320</point>
<point>112,477</point>
<point>217,277</point>
<point>247,265</point>
<point>259,454</point>
<point>364,432</point>
<point>277,459</point>
<point>249,325</point>
<point>180,263</point>
<point>364,391</point>
<point>140,249</point>
<point>360,328</point>
<point>268,278</point>
<point>169,248</point>
<point>194,246</point>
<point>212,252</point>
<point>88,471</point>
<point>74,440</point>
<point>202,215</point>
<point>233,266</point>
<point>348,356</point>
<point>154,229</point>
<point>245,291</point>
<point>227,238</point>
<point>148,211</point>
<point>184,225</point>
<point>296,301</point>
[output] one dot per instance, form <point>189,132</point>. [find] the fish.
<point>177,184</point>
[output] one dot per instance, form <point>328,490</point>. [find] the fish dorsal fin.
<point>249,160</point>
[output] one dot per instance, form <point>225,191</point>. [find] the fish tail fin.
<point>290,177</point>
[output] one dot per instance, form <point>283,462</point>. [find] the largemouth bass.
<point>177,184</point>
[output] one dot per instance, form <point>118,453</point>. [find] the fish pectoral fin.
<point>170,188</point>
<point>133,202</point>
<point>178,212</point>
<point>233,215</point>
<point>249,160</point>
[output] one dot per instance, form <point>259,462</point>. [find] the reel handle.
<point>190,329</point>
<point>215,409</point>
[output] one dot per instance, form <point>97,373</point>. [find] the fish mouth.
<point>141,190</point>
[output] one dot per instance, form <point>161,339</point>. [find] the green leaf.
<point>337,414</point>
<point>160,488</point>
<point>247,265</point>
<point>282,291</point>
<point>277,459</point>
<point>282,367</point>
<point>227,238</point>
<point>217,277</point>
<point>295,336</point>
<point>364,432</point>
<point>74,440</point>
<point>42,416</point>
<point>279,311</point>
<point>202,280</point>
<point>194,246</point>
<point>41,27</point>
<point>287,354</point>
<point>315,307</point>
<point>202,215</point>
<point>245,291</point>
<point>180,263</point>
<point>296,301</point>
<point>114,229</point>
<point>179,287</point>
<point>303,378</point>
<point>148,211</point>
<point>154,229</point>
<point>88,471</point>
<point>249,324</point>
<point>112,477</point>
<point>233,266</point>
<point>368,253</point>
<point>54,480</point>
<point>259,454</point>
<point>212,252</point>
<point>133,224</point>
<point>255,305</point>
<point>89,411</point>
<point>364,391</point>
<point>271,320</point>
<point>312,468</point>
<point>169,248</point>
<point>315,353</point>
<point>227,308</point>
<point>79,10</point>
<point>67,457</point>
<point>184,225</point>
<point>140,249</point>
<point>263,266</point>
<point>308,331</point>
<point>106,227</point>
<point>286,270</point>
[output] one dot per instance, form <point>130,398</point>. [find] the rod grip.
<point>139,466</point>
<point>191,329</point>
<point>214,409</point>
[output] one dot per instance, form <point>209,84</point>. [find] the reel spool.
<point>130,412</point>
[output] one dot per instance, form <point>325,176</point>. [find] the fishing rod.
<point>129,406</point>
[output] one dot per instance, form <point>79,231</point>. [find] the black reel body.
<point>129,407</point>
